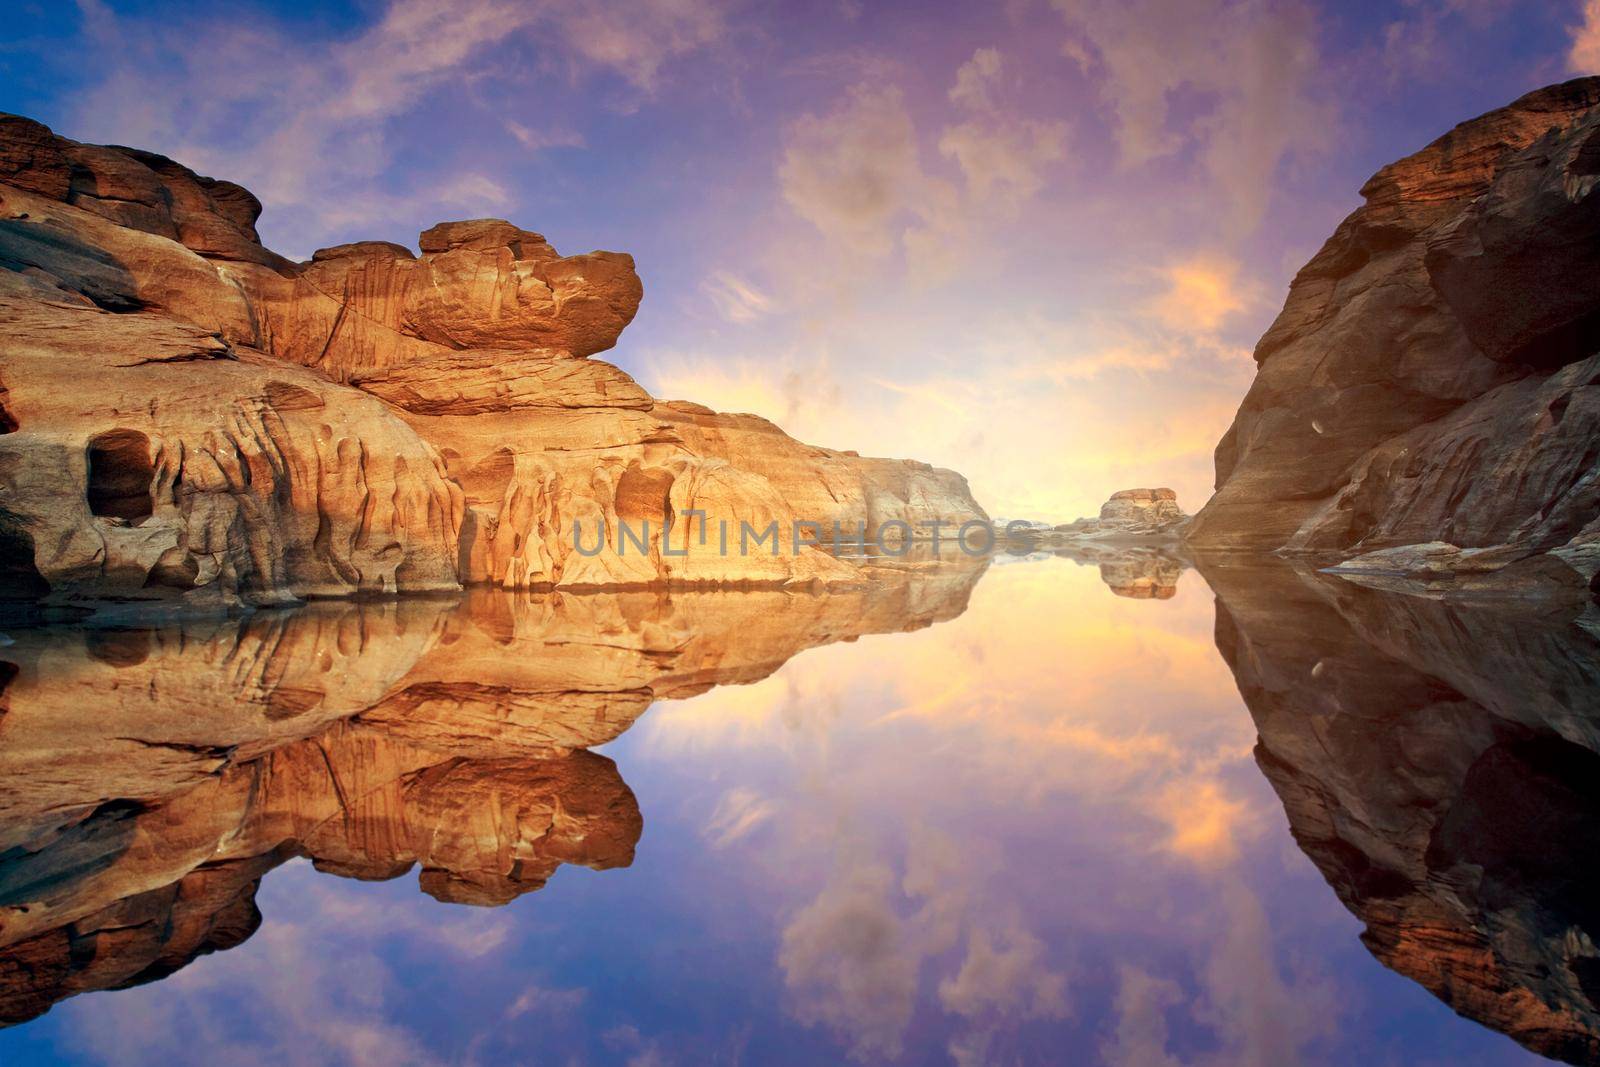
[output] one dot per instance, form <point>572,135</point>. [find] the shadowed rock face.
<point>1440,764</point>
<point>370,420</point>
<point>149,777</point>
<point>1432,377</point>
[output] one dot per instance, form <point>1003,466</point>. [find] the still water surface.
<point>987,815</point>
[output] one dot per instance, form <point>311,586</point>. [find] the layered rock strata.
<point>1433,374</point>
<point>184,411</point>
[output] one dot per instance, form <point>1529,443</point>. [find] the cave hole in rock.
<point>19,577</point>
<point>120,473</point>
<point>644,495</point>
<point>8,674</point>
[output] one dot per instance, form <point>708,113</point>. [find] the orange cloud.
<point>1200,295</point>
<point>1585,55</point>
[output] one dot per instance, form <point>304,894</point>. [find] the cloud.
<point>848,964</point>
<point>636,38</point>
<point>735,299</point>
<point>1141,1006</point>
<point>1004,974</point>
<point>1000,154</point>
<point>305,123</point>
<point>539,140</point>
<point>855,173</point>
<point>1200,294</point>
<point>1002,160</point>
<point>739,812</point>
<point>542,1000</point>
<point>1584,58</point>
<point>1254,65</point>
<point>974,77</point>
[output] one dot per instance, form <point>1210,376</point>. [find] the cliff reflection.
<point>1440,764</point>
<point>150,777</point>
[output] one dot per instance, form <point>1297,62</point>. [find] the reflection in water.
<point>1036,832</point>
<point>1140,572</point>
<point>1441,766</point>
<point>369,737</point>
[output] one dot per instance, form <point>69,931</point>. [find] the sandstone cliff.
<point>183,411</point>
<point>1432,375</point>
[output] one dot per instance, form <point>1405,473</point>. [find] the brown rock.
<point>477,344</point>
<point>194,467</point>
<point>1431,376</point>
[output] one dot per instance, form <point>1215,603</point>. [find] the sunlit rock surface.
<point>182,409</point>
<point>150,776</point>
<point>1440,763</point>
<point>1431,377</point>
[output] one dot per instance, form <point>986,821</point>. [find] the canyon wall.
<point>1432,376</point>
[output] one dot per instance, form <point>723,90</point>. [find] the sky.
<point>1033,241</point>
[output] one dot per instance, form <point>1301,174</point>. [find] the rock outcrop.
<point>1132,513</point>
<point>1432,377</point>
<point>372,737</point>
<point>1438,761</point>
<point>183,411</point>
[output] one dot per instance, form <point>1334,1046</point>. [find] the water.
<point>972,814</point>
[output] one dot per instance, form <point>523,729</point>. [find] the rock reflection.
<point>150,777</point>
<point>1440,764</point>
<point>1139,572</point>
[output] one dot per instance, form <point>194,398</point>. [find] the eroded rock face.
<point>1432,375</point>
<point>402,421</point>
<point>373,738</point>
<point>1438,762</point>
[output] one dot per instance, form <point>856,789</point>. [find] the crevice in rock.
<point>19,577</point>
<point>8,674</point>
<point>8,421</point>
<point>120,474</point>
<point>1568,343</point>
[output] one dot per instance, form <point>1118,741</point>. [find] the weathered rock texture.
<point>182,409</point>
<point>1432,377</point>
<point>448,734</point>
<point>1440,764</point>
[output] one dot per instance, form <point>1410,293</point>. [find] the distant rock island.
<point>1431,379</point>
<point>1137,542</point>
<point>184,413</point>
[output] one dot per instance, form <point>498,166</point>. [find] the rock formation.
<point>1432,375</point>
<point>372,737</point>
<point>1440,763</point>
<point>370,420</point>
<point>1132,513</point>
